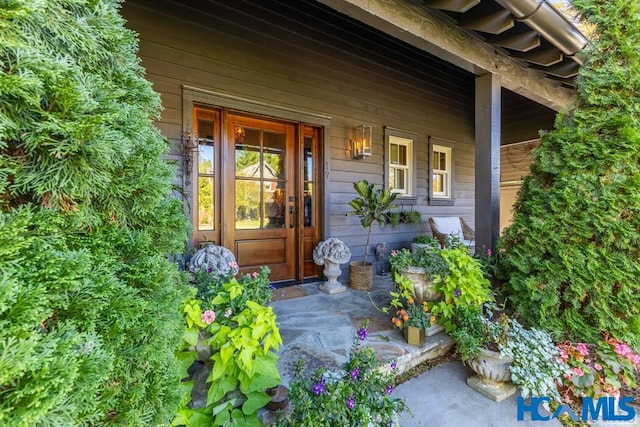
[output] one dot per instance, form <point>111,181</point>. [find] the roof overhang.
<point>527,43</point>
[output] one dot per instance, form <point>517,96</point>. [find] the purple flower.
<point>351,402</point>
<point>394,365</point>
<point>457,293</point>
<point>389,389</point>
<point>209,270</point>
<point>355,373</point>
<point>318,388</point>
<point>362,333</point>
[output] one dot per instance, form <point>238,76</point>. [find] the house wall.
<point>514,166</point>
<point>301,64</point>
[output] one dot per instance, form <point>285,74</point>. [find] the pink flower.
<point>582,349</point>
<point>228,312</point>
<point>233,265</point>
<point>254,274</point>
<point>577,371</point>
<point>489,252</point>
<point>597,367</point>
<point>208,317</point>
<point>622,349</point>
<point>634,358</point>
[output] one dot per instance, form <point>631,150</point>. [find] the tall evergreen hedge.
<point>89,301</point>
<point>572,255</point>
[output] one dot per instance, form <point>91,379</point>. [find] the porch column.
<point>487,188</point>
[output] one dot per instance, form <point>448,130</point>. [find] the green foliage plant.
<point>251,286</point>
<point>243,336</point>
<point>371,205</point>
<point>393,218</point>
<point>89,297</point>
<point>426,239</point>
<point>572,254</point>
<point>429,258</point>
<point>465,285</point>
<point>411,217</point>
<point>358,394</point>
<point>536,368</point>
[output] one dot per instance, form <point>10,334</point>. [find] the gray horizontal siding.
<point>275,65</point>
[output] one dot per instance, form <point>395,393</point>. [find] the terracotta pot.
<point>414,335</point>
<point>360,275</point>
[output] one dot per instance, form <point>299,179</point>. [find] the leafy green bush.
<point>572,254</point>
<point>242,335</point>
<point>89,300</point>
<point>464,286</point>
<point>254,287</point>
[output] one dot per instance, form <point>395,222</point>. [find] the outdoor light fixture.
<point>239,133</point>
<point>361,145</point>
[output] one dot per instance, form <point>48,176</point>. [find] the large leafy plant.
<point>370,206</point>
<point>463,286</point>
<point>243,336</point>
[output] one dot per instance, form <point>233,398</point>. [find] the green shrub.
<point>89,301</point>
<point>572,254</point>
<point>243,336</point>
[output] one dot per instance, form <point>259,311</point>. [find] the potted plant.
<point>413,319</point>
<point>424,241</point>
<point>464,285</point>
<point>504,354</point>
<point>370,205</point>
<point>418,269</point>
<point>411,217</point>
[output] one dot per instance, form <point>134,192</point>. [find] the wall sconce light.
<point>239,133</point>
<point>361,145</point>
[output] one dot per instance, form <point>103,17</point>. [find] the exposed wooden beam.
<point>414,24</point>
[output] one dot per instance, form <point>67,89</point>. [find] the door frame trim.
<point>191,95</point>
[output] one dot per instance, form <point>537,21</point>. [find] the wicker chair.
<point>443,226</point>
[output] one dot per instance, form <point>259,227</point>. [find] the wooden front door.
<point>257,191</point>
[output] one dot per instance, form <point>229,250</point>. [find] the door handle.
<point>292,217</point>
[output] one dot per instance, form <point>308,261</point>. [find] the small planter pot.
<point>414,335</point>
<point>423,289</point>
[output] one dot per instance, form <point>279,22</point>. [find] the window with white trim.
<point>441,172</point>
<point>400,166</point>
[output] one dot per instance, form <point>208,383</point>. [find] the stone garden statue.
<point>214,258</point>
<point>331,253</point>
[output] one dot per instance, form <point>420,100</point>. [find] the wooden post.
<point>487,207</point>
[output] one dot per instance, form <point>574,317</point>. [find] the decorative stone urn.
<point>331,253</point>
<point>493,378</point>
<point>423,288</point>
